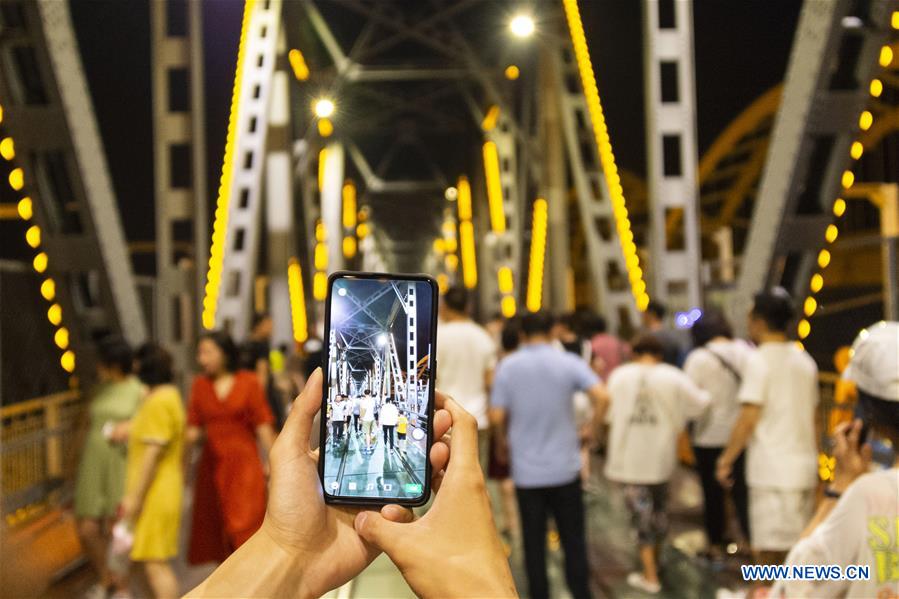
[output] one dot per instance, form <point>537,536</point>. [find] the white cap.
<point>874,361</point>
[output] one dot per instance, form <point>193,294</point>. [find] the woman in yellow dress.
<point>154,479</point>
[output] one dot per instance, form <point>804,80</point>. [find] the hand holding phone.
<point>454,549</point>
<point>377,394</point>
<point>304,547</point>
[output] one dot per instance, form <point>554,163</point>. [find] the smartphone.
<point>378,395</point>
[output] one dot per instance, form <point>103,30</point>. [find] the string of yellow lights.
<point>607,158</point>
<point>40,261</point>
<point>538,253</point>
<point>856,150</point>
<point>220,223</point>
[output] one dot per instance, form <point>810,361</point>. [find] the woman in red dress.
<point>228,413</point>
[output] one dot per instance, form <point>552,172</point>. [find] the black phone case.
<point>377,501</point>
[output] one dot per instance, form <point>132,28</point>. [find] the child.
<point>401,423</point>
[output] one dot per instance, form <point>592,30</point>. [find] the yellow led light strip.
<point>297,301</point>
<point>25,211</point>
<point>466,234</point>
<point>494,188</point>
<point>538,253</point>
<point>220,224</point>
<point>349,218</point>
<point>847,180</point>
<point>607,158</point>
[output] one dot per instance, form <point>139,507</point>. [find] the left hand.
<point>321,537</point>
<point>852,457</point>
<point>724,472</point>
<point>129,509</point>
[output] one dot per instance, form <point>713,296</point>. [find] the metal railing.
<point>39,452</point>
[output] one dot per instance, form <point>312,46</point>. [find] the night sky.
<point>741,50</point>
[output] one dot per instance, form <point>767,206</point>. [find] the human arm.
<point>739,437</point>
<point>454,549</point>
<point>498,420</point>
<point>133,501</point>
<point>599,394</point>
<point>304,547</point>
<point>853,459</point>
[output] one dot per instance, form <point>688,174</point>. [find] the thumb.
<point>378,531</point>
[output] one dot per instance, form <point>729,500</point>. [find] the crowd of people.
<point>532,402</point>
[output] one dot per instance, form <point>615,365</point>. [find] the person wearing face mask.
<point>857,521</point>
<point>228,412</point>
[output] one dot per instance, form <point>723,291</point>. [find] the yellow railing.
<point>39,453</point>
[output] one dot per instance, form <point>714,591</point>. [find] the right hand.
<point>454,549</point>
<point>852,458</point>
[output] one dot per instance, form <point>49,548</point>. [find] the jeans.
<point>566,505</point>
<point>714,514</point>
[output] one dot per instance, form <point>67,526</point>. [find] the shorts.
<point>401,436</point>
<point>649,514</point>
<point>777,517</point>
<point>368,426</point>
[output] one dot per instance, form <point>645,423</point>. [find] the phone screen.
<point>377,404</point>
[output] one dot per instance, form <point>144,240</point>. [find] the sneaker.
<point>638,581</point>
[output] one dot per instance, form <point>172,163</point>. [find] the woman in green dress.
<point>101,474</point>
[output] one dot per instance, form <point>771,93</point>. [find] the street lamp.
<point>522,25</point>
<point>323,108</point>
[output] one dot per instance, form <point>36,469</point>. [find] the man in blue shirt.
<point>533,413</point>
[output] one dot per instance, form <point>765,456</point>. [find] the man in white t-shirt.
<point>857,522</point>
<point>467,356</point>
<point>338,418</point>
<point>367,416</point>
<point>779,395</point>
<point>650,403</point>
<point>388,418</point>
<point>717,364</point>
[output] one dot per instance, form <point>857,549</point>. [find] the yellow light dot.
<point>349,246</point>
<point>816,283</point>
<point>61,338</point>
<point>856,150</point>
<point>886,56</point>
<point>17,179</point>
<point>7,148</point>
<point>876,87</point>
<point>48,289</point>
<point>320,286</point>
<point>803,329</point>
<point>847,179</point>
<point>442,283</point>
<point>452,262</point>
<point>643,302</point>
<point>507,306</point>
<point>831,233</point>
<point>839,207</point>
<point>512,72</point>
<point>362,230</point>
<point>439,246</point>
<point>54,314</point>
<point>320,256</point>
<point>894,19</point>
<point>319,231</point>
<point>810,306</point>
<point>40,262</point>
<point>504,280</point>
<point>298,65</point>
<point>67,361</point>
<point>25,209</point>
<point>823,258</point>
<point>33,236</point>
<point>865,120</point>
<point>325,127</point>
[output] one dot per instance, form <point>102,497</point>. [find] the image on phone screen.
<point>377,384</point>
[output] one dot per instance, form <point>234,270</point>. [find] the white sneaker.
<point>638,581</point>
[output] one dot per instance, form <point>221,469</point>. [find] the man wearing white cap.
<point>857,523</point>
